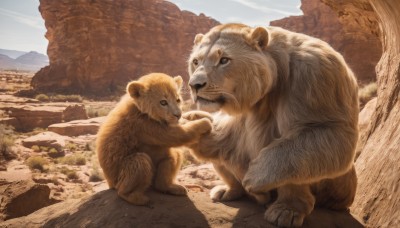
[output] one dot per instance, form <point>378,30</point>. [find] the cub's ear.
<point>198,38</point>
<point>259,37</point>
<point>135,89</point>
<point>179,81</point>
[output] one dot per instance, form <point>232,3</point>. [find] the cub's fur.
<point>134,144</point>
<point>289,118</point>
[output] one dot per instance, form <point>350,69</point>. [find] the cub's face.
<point>158,96</point>
<point>228,69</point>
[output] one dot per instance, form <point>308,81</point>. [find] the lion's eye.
<point>178,100</point>
<point>224,60</point>
<point>195,62</point>
<point>163,102</point>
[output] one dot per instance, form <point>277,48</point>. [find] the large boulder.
<point>103,45</point>
<point>74,112</point>
<point>30,117</point>
<point>21,198</point>
<point>77,127</point>
<point>47,139</point>
<point>106,209</point>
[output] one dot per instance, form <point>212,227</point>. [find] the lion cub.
<point>134,144</point>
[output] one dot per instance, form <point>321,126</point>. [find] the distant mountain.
<point>33,58</point>
<point>30,61</point>
<point>12,53</point>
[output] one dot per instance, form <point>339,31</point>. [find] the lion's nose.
<point>198,81</point>
<point>198,86</point>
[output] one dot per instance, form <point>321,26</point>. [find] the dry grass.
<point>37,162</point>
<point>75,159</point>
<point>6,143</point>
<point>59,98</point>
<point>366,93</point>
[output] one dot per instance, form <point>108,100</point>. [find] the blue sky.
<point>22,27</point>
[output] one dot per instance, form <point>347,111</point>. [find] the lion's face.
<point>228,69</point>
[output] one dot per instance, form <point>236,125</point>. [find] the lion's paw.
<point>224,193</point>
<point>283,215</point>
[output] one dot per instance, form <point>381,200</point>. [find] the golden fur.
<point>288,122</point>
<point>134,145</point>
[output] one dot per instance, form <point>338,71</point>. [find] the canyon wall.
<point>96,46</point>
<point>360,48</point>
<point>378,195</point>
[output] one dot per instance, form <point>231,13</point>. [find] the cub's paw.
<point>174,189</point>
<point>196,115</point>
<point>202,125</point>
<point>224,193</point>
<point>283,215</point>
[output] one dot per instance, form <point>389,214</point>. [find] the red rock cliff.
<point>360,48</point>
<point>96,46</point>
<point>378,195</point>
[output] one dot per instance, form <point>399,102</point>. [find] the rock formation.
<point>106,209</point>
<point>378,195</point>
<point>26,117</point>
<point>95,46</point>
<point>47,139</point>
<point>21,198</point>
<point>77,127</point>
<point>360,48</point>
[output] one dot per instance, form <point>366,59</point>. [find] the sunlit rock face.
<point>95,46</point>
<point>361,48</point>
<point>378,196</point>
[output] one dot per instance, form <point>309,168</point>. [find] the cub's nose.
<point>178,115</point>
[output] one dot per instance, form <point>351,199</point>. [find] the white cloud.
<point>261,7</point>
<point>34,22</point>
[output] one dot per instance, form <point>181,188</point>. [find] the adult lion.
<point>289,122</point>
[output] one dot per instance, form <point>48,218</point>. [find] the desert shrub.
<point>6,143</point>
<point>91,146</point>
<point>35,148</point>
<point>42,98</point>
<point>93,112</point>
<point>71,174</point>
<point>75,159</point>
<point>36,131</point>
<point>71,146</point>
<point>95,175</point>
<point>54,153</point>
<point>37,162</point>
<point>64,98</point>
<point>367,92</point>
<point>44,148</point>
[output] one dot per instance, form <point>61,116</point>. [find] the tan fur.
<point>134,145</point>
<point>288,122</point>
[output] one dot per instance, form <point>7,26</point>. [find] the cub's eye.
<point>163,102</point>
<point>195,62</point>
<point>224,60</point>
<point>178,100</point>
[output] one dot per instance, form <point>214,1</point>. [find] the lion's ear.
<point>259,37</point>
<point>198,38</point>
<point>179,81</point>
<point>135,89</point>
